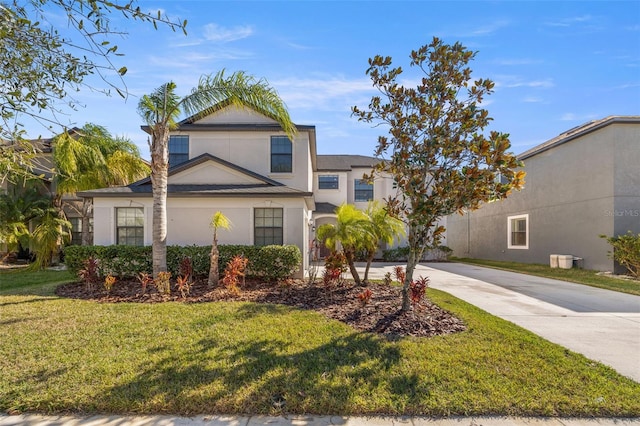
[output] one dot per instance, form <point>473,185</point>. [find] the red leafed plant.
<point>145,279</point>
<point>233,272</point>
<point>417,290</point>
<point>90,274</point>
<point>334,266</point>
<point>365,297</point>
<point>186,268</point>
<point>183,285</point>
<point>398,271</point>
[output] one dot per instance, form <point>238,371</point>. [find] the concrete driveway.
<point>603,325</point>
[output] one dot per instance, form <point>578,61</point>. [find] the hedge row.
<point>269,262</point>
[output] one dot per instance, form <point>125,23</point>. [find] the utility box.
<point>565,261</point>
<point>553,260</point>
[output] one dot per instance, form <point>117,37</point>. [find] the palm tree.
<point>218,221</point>
<point>352,228</point>
<point>91,158</point>
<point>384,227</point>
<point>51,231</point>
<point>161,109</point>
<point>21,205</point>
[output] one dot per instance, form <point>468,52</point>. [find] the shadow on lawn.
<point>263,377</point>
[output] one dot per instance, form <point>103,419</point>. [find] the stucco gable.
<point>230,114</point>
<point>210,172</point>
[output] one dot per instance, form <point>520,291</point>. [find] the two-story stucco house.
<point>579,185</point>
<point>237,161</point>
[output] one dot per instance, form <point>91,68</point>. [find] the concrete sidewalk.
<point>36,420</point>
<point>601,324</point>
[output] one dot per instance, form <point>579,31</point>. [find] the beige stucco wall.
<point>252,151</point>
<point>188,220</point>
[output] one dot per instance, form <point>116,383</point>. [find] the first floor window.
<point>281,154</point>
<point>178,149</point>
<point>130,226</point>
<point>328,182</point>
<point>363,190</point>
<point>268,226</point>
<point>518,232</point>
<point>76,230</point>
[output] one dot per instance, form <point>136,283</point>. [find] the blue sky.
<point>556,64</point>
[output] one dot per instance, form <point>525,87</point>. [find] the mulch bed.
<point>382,314</point>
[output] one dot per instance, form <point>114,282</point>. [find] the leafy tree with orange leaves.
<point>436,150</point>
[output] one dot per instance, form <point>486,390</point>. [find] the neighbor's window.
<point>268,226</point>
<point>328,182</point>
<point>363,190</point>
<point>518,232</point>
<point>281,154</point>
<point>178,149</point>
<point>130,226</point>
<point>76,230</point>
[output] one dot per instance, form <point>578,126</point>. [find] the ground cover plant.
<point>70,355</point>
<point>575,275</point>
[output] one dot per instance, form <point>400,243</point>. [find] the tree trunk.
<point>366,269</point>
<point>87,205</point>
<point>350,255</point>
<point>159,177</point>
<point>214,273</point>
<point>411,266</point>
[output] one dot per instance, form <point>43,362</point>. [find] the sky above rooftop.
<point>555,64</point>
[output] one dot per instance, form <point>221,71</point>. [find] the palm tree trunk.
<point>214,273</point>
<point>366,269</point>
<point>159,178</point>
<point>87,204</point>
<point>350,255</point>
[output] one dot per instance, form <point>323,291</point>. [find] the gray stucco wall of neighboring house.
<point>573,193</point>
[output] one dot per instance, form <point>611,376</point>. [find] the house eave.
<point>577,132</point>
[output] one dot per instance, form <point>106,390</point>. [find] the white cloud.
<point>522,61</point>
<point>532,100</point>
<point>568,22</point>
<point>570,116</point>
<point>323,93</point>
<point>510,81</point>
<point>217,33</point>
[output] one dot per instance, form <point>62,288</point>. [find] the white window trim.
<point>293,161</point>
<point>509,220</point>
<point>329,189</point>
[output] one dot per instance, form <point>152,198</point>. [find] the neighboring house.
<point>579,185</point>
<point>43,168</point>
<point>241,163</point>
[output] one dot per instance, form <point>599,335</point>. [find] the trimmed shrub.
<point>401,254</point>
<point>626,251</point>
<point>272,263</point>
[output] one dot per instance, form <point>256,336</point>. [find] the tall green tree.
<point>351,230</point>
<point>42,67</point>
<point>161,109</point>
<point>384,228</point>
<point>436,150</point>
<point>91,158</point>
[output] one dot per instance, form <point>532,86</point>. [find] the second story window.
<point>178,149</point>
<point>328,182</point>
<point>281,155</point>
<point>363,190</point>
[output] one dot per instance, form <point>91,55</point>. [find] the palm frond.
<point>238,89</point>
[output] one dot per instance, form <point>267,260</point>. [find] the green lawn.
<point>60,355</point>
<point>575,275</point>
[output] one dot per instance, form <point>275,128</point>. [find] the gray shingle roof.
<point>577,132</point>
<point>198,190</point>
<point>344,162</point>
<point>325,208</point>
